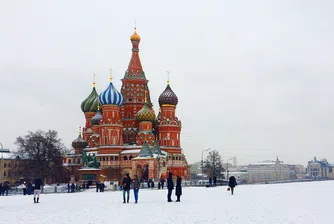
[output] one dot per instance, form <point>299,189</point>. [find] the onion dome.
<point>79,143</point>
<point>97,118</point>
<point>111,96</point>
<point>145,151</point>
<point>91,102</point>
<point>135,36</point>
<point>145,114</point>
<point>168,97</point>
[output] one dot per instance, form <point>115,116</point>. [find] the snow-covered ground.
<point>281,203</point>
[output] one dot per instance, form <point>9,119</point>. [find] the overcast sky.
<point>254,78</point>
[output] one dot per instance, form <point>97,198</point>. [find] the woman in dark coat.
<point>178,188</point>
<point>232,184</point>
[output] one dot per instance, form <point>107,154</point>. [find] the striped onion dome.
<point>79,143</point>
<point>111,96</point>
<point>91,102</point>
<point>96,119</point>
<point>145,114</point>
<point>168,97</point>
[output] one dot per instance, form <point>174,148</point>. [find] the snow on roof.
<point>130,151</point>
<point>263,163</point>
<point>7,155</point>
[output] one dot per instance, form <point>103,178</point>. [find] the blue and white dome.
<point>111,96</point>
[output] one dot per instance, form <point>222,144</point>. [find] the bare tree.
<point>213,164</point>
<point>41,156</point>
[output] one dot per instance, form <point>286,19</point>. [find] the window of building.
<point>5,165</point>
<point>4,174</point>
<point>130,157</point>
<point>125,158</point>
<point>69,161</point>
<point>15,164</point>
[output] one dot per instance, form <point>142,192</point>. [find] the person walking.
<point>136,186</point>
<point>1,189</point>
<point>126,187</point>
<point>24,188</point>
<point>170,187</point>
<point>215,181</point>
<point>97,186</point>
<point>37,189</point>
<point>232,184</point>
<point>162,181</point>
<point>178,188</point>
<point>72,188</point>
<point>68,187</point>
<point>5,189</point>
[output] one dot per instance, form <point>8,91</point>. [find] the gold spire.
<point>160,109</point>
<point>110,75</point>
<point>168,81</point>
<point>79,130</point>
<point>94,83</point>
<point>98,107</point>
<point>135,36</point>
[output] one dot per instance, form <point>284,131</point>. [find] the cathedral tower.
<point>169,126</point>
<point>110,132</point>
<point>134,86</point>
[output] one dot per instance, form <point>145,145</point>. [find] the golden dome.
<point>135,36</point>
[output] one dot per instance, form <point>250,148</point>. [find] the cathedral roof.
<point>97,118</point>
<point>168,97</point>
<point>111,96</point>
<point>145,151</point>
<point>91,102</point>
<point>135,36</point>
<point>135,69</point>
<point>79,143</point>
<point>156,149</point>
<point>145,114</point>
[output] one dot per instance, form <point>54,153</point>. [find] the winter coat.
<point>126,183</point>
<point>232,182</point>
<point>38,184</point>
<point>136,183</point>
<point>170,184</point>
<point>178,188</point>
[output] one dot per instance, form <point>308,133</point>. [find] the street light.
<point>202,158</point>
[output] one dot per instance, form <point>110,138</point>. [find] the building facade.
<point>318,169</point>
<point>124,135</point>
<point>268,171</point>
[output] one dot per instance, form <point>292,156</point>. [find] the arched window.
<point>125,158</point>
<point>69,161</point>
<point>130,157</point>
<point>105,140</point>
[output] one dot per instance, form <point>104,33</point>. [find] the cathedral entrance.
<point>145,173</point>
<point>139,171</point>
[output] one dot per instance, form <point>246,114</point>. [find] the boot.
<point>34,200</point>
<point>37,200</point>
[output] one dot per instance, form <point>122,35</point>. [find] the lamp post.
<point>2,150</point>
<point>202,158</point>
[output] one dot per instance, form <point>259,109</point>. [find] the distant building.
<point>8,161</point>
<point>268,171</point>
<point>297,171</point>
<point>318,169</point>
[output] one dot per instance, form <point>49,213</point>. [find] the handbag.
<point>228,189</point>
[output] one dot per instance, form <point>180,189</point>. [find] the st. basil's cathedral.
<point>123,134</point>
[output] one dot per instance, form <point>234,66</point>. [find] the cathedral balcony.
<point>109,163</point>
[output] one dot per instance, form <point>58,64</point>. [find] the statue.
<point>90,161</point>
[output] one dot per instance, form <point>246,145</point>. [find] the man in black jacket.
<point>170,186</point>
<point>37,191</point>
<point>232,184</point>
<point>126,187</point>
